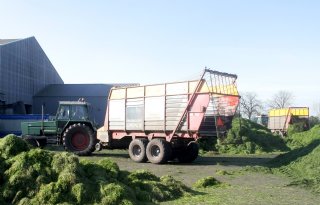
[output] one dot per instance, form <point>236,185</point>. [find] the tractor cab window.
<point>79,112</point>
<point>63,113</point>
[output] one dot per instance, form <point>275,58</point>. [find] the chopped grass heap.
<point>11,146</point>
<point>35,176</point>
<point>206,182</point>
<point>302,139</point>
<point>296,128</point>
<point>302,163</point>
<point>247,137</point>
<point>223,172</point>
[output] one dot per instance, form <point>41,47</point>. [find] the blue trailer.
<point>11,124</point>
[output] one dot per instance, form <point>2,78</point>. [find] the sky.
<point>271,45</point>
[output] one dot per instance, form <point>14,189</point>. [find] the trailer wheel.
<point>79,139</point>
<point>137,150</point>
<point>189,154</point>
<point>158,151</point>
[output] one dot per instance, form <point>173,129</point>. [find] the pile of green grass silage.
<point>35,176</point>
<point>302,163</point>
<point>207,182</point>
<point>247,137</point>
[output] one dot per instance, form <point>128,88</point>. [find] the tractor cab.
<point>72,110</point>
<point>71,127</point>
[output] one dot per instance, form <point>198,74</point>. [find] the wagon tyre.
<point>158,151</point>
<point>79,139</point>
<point>137,150</point>
<point>189,154</point>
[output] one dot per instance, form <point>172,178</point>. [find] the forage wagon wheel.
<point>79,139</point>
<point>190,153</point>
<point>137,150</point>
<point>158,151</point>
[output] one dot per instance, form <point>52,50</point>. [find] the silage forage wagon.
<point>158,122</point>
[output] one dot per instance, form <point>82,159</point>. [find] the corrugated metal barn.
<point>25,69</point>
<point>28,80</point>
<point>95,94</point>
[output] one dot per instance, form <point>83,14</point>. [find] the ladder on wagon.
<point>224,97</point>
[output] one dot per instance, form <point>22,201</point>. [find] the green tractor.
<point>71,128</point>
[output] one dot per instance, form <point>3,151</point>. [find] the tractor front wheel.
<point>79,139</point>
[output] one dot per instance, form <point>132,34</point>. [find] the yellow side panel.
<point>231,89</point>
<point>300,111</point>
<point>304,111</point>
<point>278,112</point>
<point>204,88</point>
<point>118,93</point>
<point>222,89</point>
<point>135,92</point>
<point>155,90</point>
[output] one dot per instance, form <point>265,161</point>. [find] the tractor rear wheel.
<point>137,150</point>
<point>158,151</point>
<point>79,139</point>
<point>190,153</point>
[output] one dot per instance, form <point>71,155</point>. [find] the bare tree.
<point>281,99</point>
<point>250,105</point>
